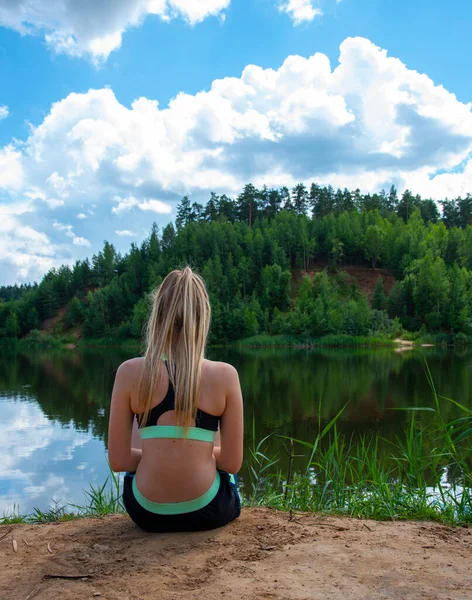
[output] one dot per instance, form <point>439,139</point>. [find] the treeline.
<point>248,251</point>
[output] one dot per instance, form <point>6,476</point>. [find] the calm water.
<point>54,407</point>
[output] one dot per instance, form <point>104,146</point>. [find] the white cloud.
<point>25,253</point>
<point>4,112</point>
<point>125,204</point>
<point>96,28</point>
<point>81,216</point>
<point>125,233</point>
<point>300,10</point>
<point>11,170</point>
<point>368,122</point>
<point>155,206</point>
<point>68,230</point>
<point>35,194</point>
<point>81,241</point>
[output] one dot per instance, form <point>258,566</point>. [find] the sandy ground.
<point>264,554</point>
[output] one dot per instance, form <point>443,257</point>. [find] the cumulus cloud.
<point>11,169</point>
<point>68,231</point>
<point>367,122</point>
<point>300,10</point>
<point>96,28</point>
<point>4,112</point>
<point>126,204</point>
<point>24,252</point>
<point>155,206</point>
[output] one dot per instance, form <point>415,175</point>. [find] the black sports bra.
<point>203,419</point>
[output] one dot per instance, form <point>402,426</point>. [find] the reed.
<point>426,473</point>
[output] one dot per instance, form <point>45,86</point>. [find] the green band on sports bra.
<point>175,431</point>
<point>177,508</point>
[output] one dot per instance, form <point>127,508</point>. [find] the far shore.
<point>63,342</point>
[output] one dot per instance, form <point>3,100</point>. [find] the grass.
<point>100,501</point>
<point>40,340</point>
<point>426,473</point>
<point>332,341</point>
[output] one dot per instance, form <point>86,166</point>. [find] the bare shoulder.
<point>222,372</point>
<point>130,369</point>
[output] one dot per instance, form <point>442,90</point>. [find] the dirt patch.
<point>364,277</point>
<point>48,325</point>
<point>263,554</point>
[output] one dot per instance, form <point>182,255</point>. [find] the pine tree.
<point>392,200</point>
<point>247,204</point>
<point>211,209</point>
<point>300,199</point>
<point>184,213</point>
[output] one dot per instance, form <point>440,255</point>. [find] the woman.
<point>178,401</point>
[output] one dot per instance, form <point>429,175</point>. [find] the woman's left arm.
<point>121,456</point>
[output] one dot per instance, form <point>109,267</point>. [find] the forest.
<point>273,263</point>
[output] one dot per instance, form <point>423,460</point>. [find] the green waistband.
<point>174,431</point>
<point>177,508</point>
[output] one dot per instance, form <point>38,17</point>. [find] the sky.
<point>112,110</point>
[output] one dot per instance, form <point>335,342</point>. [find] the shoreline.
<point>263,341</point>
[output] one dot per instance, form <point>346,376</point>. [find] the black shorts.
<point>224,508</point>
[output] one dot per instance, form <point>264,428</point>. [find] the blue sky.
<point>94,165</point>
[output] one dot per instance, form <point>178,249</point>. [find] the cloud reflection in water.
<point>44,461</point>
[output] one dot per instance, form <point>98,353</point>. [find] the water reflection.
<point>44,460</point>
<point>54,407</point>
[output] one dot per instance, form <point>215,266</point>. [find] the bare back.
<point>177,470</point>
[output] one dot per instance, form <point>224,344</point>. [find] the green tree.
<point>374,243</point>
<point>275,288</point>
<point>184,213</point>
<point>11,328</point>
<point>431,289</point>
<point>140,317</point>
<point>379,300</point>
<point>337,252</point>
<point>75,314</point>
<point>104,265</point>
<point>247,204</point>
<point>300,198</point>
<point>96,314</point>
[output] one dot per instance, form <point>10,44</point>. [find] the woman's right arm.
<point>229,456</point>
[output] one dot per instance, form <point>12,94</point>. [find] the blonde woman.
<point>178,401</point>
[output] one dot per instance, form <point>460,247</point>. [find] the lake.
<point>54,406</point>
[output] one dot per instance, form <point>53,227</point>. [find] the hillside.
<point>364,278</point>
<point>305,264</point>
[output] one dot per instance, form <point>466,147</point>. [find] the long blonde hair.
<point>177,330</point>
